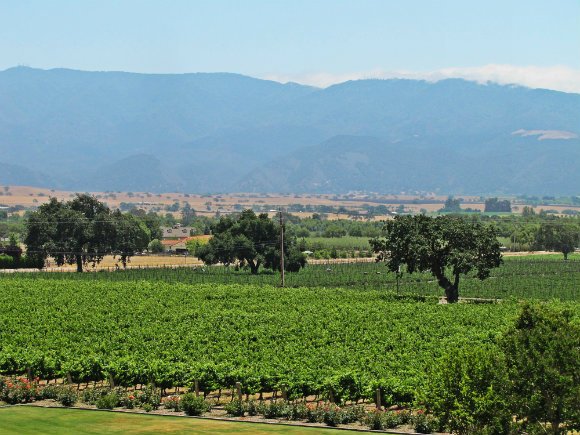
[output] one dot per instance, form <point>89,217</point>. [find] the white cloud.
<point>560,78</point>
<point>546,134</point>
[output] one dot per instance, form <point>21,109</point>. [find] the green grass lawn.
<point>22,420</point>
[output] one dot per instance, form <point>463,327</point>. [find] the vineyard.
<point>521,278</point>
<point>309,339</point>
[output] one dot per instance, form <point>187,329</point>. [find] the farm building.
<point>177,246</point>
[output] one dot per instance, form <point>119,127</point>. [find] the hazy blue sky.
<point>315,41</point>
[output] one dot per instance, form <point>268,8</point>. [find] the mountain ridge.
<point>209,132</point>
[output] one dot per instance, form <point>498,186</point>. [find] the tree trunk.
<point>451,288</point>
<point>79,259</point>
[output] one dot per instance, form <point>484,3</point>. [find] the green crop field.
<point>344,243</point>
<point>262,336</point>
<point>552,257</point>
<point>524,277</point>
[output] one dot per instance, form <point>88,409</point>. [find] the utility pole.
<point>398,275</point>
<point>282,282</point>
<point>282,246</point>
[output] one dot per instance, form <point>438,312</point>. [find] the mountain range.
<point>220,132</point>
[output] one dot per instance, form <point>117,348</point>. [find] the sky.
<point>534,43</point>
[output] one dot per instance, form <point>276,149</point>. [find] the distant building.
<point>177,232</point>
<point>176,246</point>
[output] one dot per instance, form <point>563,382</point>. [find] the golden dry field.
<point>136,262</point>
<point>209,205</point>
<point>33,196</point>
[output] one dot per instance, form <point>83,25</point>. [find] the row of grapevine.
<point>541,279</point>
<point>306,341</point>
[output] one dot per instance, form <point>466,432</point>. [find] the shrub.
<point>149,395</point>
<point>351,414</point>
<point>64,394</point>
<point>108,401</point>
<point>374,420</point>
<point>379,420</point>
<point>425,423</point>
<point>50,392</point>
<point>332,415</point>
<point>31,262</point>
<point>405,416</point>
<point>253,407</point>
<point>172,402</point>
<point>315,413</point>
<point>235,408</point>
<point>194,405</point>
<point>298,411</point>
<point>18,390</point>
<point>128,400</point>
<point>277,409</point>
<point>67,395</point>
<point>91,395</point>
<point>147,407</point>
<point>119,391</point>
<point>391,420</point>
<point>6,262</point>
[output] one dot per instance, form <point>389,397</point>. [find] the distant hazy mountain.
<point>346,163</point>
<point>20,175</point>
<point>226,132</point>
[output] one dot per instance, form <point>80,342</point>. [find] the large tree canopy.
<point>250,240</point>
<point>83,231</point>
<point>558,235</point>
<point>446,246</point>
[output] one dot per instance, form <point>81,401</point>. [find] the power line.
<point>225,249</point>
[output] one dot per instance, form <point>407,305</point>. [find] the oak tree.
<point>561,236</point>
<point>251,240</point>
<point>82,231</point>
<point>446,246</point>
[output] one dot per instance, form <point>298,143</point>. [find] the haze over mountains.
<point>225,132</point>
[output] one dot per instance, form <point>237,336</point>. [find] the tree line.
<point>82,231</point>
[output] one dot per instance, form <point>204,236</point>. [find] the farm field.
<point>524,277</point>
<point>346,243</point>
<point>262,336</point>
<point>203,204</point>
<point>27,196</point>
<point>30,420</point>
<point>155,261</point>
